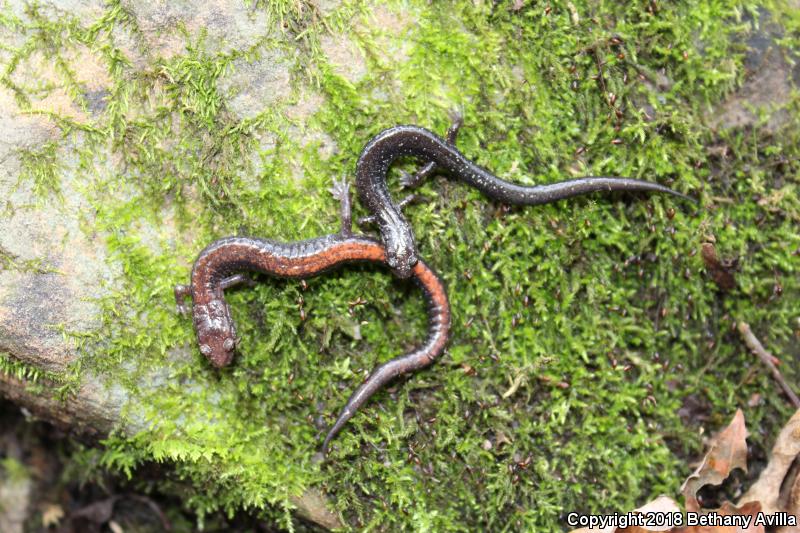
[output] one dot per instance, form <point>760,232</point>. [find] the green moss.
<point>40,168</point>
<point>12,470</point>
<point>10,261</point>
<point>19,370</point>
<point>39,381</point>
<point>580,329</point>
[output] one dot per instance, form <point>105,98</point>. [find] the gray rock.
<point>71,270</point>
<point>15,494</point>
<point>227,25</point>
<point>252,86</point>
<point>767,86</point>
<point>53,262</point>
<point>345,57</point>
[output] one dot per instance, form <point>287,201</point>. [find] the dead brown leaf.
<point>720,270</point>
<point>729,509</point>
<point>662,504</point>
<point>775,495</point>
<point>767,489</point>
<point>728,451</point>
<point>52,514</point>
<point>793,505</point>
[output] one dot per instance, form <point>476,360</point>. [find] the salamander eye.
<point>228,344</point>
<point>205,349</point>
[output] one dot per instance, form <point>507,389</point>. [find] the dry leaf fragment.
<point>749,509</point>
<point>728,451</point>
<point>754,400</point>
<point>767,489</point>
<point>500,439</point>
<point>720,270</point>
<point>662,504</point>
<point>52,514</point>
<point>778,488</point>
<point>793,507</point>
<point>715,521</point>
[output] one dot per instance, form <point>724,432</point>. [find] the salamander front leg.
<point>341,191</point>
<point>181,293</point>
<point>410,199</point>
<point>411,181</point>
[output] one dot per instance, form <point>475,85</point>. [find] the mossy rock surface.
<point>590,347</point>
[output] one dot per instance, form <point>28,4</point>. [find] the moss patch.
<point>27,373</point>
<point>584,332</point>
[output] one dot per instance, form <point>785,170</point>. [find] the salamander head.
<point>216,334</point>
<point>401,264</point>
<point>218,350</point>
<point>401,253</point>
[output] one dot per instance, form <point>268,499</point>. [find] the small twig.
<point>518,379</point>
<point>756,347</point>
<point>601,77</point>
<point>573,13</point>
<point>722,200</point>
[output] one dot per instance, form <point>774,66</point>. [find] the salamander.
<point>378,155</point>
<point>219,266</point>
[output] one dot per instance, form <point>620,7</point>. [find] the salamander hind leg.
<point>456,121</point>
<point>237,279</point>
<point>411,181</point>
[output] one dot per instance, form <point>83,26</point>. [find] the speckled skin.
<point>215,265</point>
<point>378,155</point>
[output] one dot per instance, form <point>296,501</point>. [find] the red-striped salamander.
<point>378,155</point>
<point>219,266</point>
